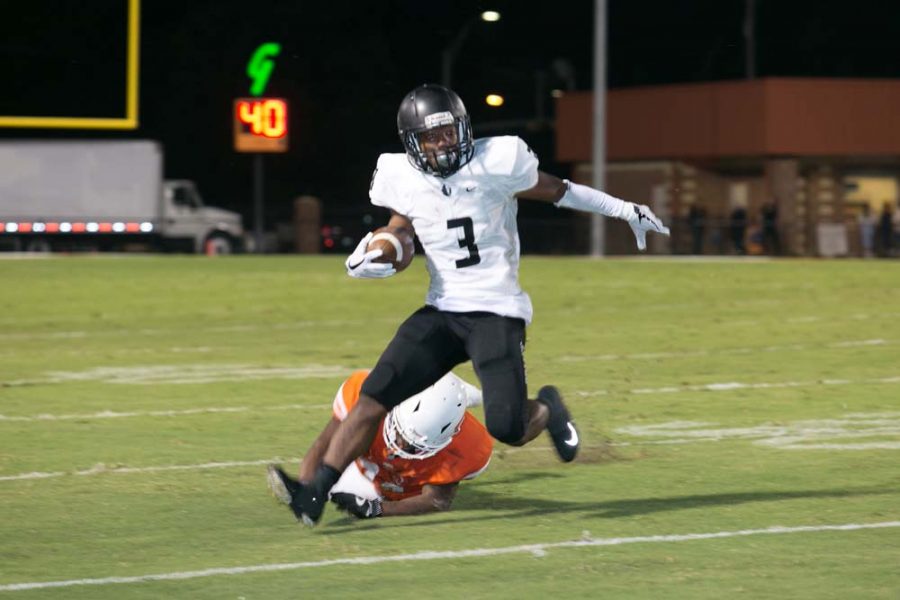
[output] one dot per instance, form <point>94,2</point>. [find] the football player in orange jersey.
<point>428,444</point>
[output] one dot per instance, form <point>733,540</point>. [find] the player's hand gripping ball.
<point>396,245</point>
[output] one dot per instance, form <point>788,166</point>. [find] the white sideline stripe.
<point>101,469</point>
<point>709,387</point>
<point>287,326</point>
<point>110,414</point>
<point>535,549</point>
<point>184,374</point>
<point>293,325</point>
<point>814,434</point>
<point>737,385</point>
<point>719,352</point>
<point>852,431</point>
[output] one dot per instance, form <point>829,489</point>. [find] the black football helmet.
<point>427,107</point>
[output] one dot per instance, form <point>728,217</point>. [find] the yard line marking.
<point>51,335</point>
<point>185,374</point>
<point>101,469</point>
<point>812,434</point>
<point>722,351</point>
<point>851,344</point>
<point>33,475</point>
<point>817,434</point>
<point>708,387</point>
<point>534,549</point>
<point>110,414</point>
<point>341,323</point>
<point>808,319</point>
<point>728,386</point>
<point>236,328</point>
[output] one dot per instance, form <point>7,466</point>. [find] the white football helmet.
<point>423,425</point>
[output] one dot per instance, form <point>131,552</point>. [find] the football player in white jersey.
<point>459,195</point>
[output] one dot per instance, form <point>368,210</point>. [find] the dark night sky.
<point>344,67</point>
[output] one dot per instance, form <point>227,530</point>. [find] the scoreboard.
<point>260,125</point>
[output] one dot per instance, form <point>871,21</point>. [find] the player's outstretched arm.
<point>566,194</point>
<point>313,456</point>
<point>434,498</point>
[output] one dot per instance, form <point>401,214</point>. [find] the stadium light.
<point>449,53</point>
<point>495,100</point>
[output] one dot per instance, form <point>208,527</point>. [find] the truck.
<point>94,195</point>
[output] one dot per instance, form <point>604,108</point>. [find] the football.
<point>396,244</point>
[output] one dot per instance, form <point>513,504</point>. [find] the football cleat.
<point>560,426</point>
<point>306,505</point>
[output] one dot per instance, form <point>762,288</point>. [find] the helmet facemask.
<point>445,161</point>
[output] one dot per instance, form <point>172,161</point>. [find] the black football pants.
<point>431,342</point>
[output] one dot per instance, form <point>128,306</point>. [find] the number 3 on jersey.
<point>467,241</point>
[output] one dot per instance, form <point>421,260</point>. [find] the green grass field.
<point>140,399</point>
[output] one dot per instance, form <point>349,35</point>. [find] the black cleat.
<point>560,426</point>
<point>301,498</point>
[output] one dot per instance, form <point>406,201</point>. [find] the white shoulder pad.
<point>389,182</point>
<point>510,160</point>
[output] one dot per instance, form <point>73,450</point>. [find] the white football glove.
<point>359,264</point>
<point>641,220</point>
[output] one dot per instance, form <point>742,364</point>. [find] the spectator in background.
<point>697,223</point>
<point>867,231</point>
<point>895,231</point>
<point>886,230</point>
<point>770,240</point>
<point>737,226</point>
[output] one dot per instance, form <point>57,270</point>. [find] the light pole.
<point>598,161</point>
<point>448,55</point>
<point>750,39</point>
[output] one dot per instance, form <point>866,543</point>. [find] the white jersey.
<point>466,223</point>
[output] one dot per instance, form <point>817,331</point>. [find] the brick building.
<point>819,149</point>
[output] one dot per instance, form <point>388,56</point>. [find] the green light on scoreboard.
<point>260,67</point>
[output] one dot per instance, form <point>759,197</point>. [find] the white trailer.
<point>103,195</point>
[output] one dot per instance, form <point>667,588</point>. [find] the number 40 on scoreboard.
<point>260,125</point>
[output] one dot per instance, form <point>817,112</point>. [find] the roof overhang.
<point>758,118</point>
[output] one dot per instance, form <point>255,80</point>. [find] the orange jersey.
<point>467,455</point>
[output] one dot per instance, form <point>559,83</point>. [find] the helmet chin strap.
<point>447,161</point>
<point>442,164</point>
